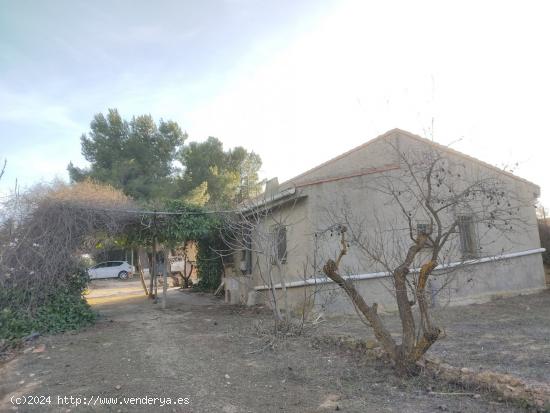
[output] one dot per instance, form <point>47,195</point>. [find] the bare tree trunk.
<point>273,298</point>
<point>405,310</point>
<point>402,297</point>
<point>410,351</point>
<point>283,290</point>
<point>430,334</point>
<point>141,277</point>
<point>370,312</point>
<point>165,277</point>
<point>187,276</point>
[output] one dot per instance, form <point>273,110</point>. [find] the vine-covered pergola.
<point>45,231</point>
<point>176,224</point>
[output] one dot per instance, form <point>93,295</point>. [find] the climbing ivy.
<point>209,263</point>
<point>191,223</point>
<point>197,225</point>
<point>194,223</point>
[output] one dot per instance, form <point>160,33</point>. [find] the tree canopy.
<point>142,158</point>
<point>135,156</point>
<point>224,176</point>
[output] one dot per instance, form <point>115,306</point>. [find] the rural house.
<point>293,229</point>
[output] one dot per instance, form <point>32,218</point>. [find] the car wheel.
<point>123,275</point>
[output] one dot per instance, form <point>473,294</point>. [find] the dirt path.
<point>212,354</point>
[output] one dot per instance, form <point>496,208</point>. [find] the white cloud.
<point>31,107</point>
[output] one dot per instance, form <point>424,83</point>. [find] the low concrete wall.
<point>465,285</point>
<point>482,282</point>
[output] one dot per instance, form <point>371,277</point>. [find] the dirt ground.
<point>508,335</point>
<point>218,358</point>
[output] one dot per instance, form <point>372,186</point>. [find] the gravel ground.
<point>220,358</point>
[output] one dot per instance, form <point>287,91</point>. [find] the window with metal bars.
<point>467,231</point>
<point>279,243</point>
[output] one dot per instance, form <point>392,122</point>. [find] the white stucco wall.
<point>348,182</point>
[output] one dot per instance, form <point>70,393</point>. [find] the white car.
<point>112,269</point>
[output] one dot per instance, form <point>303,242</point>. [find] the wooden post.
<point>153,270</point>
<point>165,276</point>
<point>157,269</point>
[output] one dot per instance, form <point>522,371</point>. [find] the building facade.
<point>493,247</point>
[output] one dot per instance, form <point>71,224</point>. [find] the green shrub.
<point>63,312</point>
<point>14,325</point>
<point>62,309</point>
<point>209,265</point>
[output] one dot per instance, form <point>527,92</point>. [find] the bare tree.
<point>44,230</point>
<point>258,232</point>
<point>434,209</point>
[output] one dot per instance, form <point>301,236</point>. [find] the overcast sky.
<point>296,81</point>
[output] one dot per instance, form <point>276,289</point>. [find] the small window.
<point>424,228</point>
<point>466,229</point>
<point>279,240</point>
